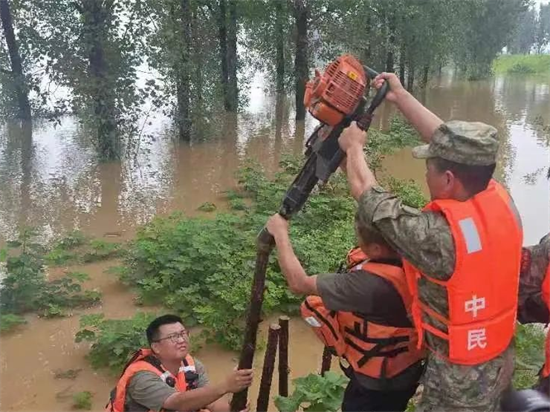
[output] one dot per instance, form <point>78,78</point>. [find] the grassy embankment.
<point>522,64</point>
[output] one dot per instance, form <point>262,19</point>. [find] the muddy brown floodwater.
<point>53,183</point>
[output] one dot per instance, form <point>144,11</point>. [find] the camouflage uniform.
<point>531,306</point>
<point>535,260</point>
<point>425,240</point>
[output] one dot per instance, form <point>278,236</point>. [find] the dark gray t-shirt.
<point>146,390</point>
<point>366,293</point>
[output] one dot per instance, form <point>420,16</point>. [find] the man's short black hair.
<point>153,328</point>
<point>368,234</point>
<point>475,179</point>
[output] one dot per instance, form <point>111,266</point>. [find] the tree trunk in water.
<point>183,77</point>
<point>24,107</point>
<point>232,86</point>
<point>300,61</point>
<point>367,52</point>
<point>425,75</point>
<point>410,77</point>
<point>391,44</point>
<point>197,54</point>
<point>95,17</point>
<point>279,36</point>
<point>24,137</point>
<point>222,37</point>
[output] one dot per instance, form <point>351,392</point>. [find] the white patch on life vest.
<point>477,338</point>
<point>165,375</point>
<point>313,322</point>
<point>471,235</point>
<point>187,368</point>
<point>474,305</point>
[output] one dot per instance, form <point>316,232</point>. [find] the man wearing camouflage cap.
<point>461,254</point>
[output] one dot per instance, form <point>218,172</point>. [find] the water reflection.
<point>51,180</point>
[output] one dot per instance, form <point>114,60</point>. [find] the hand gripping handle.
<point>364,121</point>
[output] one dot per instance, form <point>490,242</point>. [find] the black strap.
<point>376,351</point>
<point>154,361</point>
<point>326,322</point>
<point>363,336</point>
<point>191,377</point>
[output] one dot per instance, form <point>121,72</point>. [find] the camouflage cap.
<point>469,143</point>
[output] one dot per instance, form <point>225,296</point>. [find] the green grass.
<point>82,400</point>
<point>522,64</point>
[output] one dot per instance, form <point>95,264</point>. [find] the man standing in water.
<point>462,254</point>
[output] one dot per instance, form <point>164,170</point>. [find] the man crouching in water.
<point>363,316</point>
<point>166,377</point>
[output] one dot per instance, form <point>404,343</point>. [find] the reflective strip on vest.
<point>471,235</point>
<point>188,368</point>
<point>314,323</point>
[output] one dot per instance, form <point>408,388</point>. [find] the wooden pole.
<point>265,244</point>
<point>269,367</point>
<point>283,356</point>
<point>327,359</point>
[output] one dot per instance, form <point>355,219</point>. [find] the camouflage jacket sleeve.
<point>423,238</point>
<point>534,262</point>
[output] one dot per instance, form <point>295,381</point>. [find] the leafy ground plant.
<point>529,355</point>
<point>82,400</point>
<point>113,341</point>
<point>10,321</point>
<point>24,287</point>
<point>76,248</point>
<point>315,393</point>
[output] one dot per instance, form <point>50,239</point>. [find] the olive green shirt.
<point>147,391</point>
<point>424,239</point>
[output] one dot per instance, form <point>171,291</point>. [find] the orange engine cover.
<point>336,93</point>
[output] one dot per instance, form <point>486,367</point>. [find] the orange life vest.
<point>144,360</point>
<point>375,350</point>
<point>483,289</point>
<point>546,297</point>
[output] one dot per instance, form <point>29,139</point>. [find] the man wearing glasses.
<point>166,377</point>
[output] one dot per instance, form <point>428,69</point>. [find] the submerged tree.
<point>301,67</point>
<point>92,48</point>
<point>15,85</point>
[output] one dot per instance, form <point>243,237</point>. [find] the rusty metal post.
<point>269,367</point>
